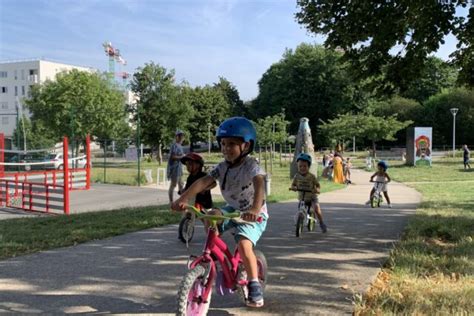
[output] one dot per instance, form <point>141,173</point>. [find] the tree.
<point>435,77</point>
<point>365,125</point>
<point>436,113</point>
<point>77,103</point>
<point>211,107</point>
<point>369,31</point>
<point>230,92</point>
<point>35,135</point>
<point>163,106</point>
<point>308,82</point>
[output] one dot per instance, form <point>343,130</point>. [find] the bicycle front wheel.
<point>186,229</point>
<point>299,225</point>
<point>311,221</point>
<point>191,291</point>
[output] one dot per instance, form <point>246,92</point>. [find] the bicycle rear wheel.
<point>373,202</point>
<point>262,269</point>
<point>186,229</point>
<point>299,225</point>
<point>191,289</point>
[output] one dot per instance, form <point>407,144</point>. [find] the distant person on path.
<point>174,170</point>
<point>466,156</point>
<point>347,170</point>
<point>380,176</point>
<point>305,180</point>
<point>338,171</point>
<point>194,164</point>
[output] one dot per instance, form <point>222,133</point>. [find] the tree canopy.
<point>392,37</point>
<point>310,81</point>
<point>230,92</point>
<point>364,125</point>
<point>78,103</point>
<point>163,106</point>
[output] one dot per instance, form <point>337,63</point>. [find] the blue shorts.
<point>252,231</point>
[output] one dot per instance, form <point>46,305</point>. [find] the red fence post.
<point>2,157</point>
<point>66,175</point>
<point>88,164</point>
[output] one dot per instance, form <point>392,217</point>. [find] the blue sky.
<point>200,39</point>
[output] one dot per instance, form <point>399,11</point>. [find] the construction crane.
<point>114,56</point>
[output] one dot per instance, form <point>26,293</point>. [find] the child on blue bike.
<point>242,185</point>
<point>305,180</point>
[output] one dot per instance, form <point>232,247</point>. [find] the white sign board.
<point>131,154</point>
<point>423,145</point>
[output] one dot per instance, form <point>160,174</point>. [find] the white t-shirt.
<point>239,190</point>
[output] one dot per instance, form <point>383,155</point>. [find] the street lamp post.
<point>454,111</point>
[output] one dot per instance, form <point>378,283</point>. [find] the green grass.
<point>27,235</point>
<point>431,271</point>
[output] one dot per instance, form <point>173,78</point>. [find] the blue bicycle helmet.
<point>304,157</point>
<point>383,164</point>
<point>237,127</point>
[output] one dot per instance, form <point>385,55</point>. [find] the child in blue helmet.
<point>242,185</point>
<point>305,180</point>
<point>380,175</point>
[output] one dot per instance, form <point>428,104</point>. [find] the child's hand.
<point>179,205</point>
<point>250,216</point>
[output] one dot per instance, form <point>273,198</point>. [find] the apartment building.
<point>16,80</point>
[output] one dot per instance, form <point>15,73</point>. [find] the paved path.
<point>139,272</point>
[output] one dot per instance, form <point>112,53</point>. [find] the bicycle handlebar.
<point>298,190</point>
<point>232,216</point>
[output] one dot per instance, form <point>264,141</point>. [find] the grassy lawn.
<point>28,235</point>
<point>431,271</point>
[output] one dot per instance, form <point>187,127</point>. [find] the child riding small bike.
<point>306,181</point>
<point>381,180</point>
<point>242,185</point>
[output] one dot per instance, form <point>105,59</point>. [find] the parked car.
<point>58,163</point>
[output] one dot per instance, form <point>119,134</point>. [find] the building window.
<point>33,72</point>
<point>22,90</point>
<point>4,105</point>
<point>3,74</point>
<point>16,90</point>
<point>5,120</point>
<point>23,74</point>
<point>3,89</point>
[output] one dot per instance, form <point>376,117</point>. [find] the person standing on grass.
<point>466,154</point>
<point>174,170</point>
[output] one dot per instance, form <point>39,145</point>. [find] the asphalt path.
<point>316,274</point>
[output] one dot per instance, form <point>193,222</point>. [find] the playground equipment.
<point>44,191</point>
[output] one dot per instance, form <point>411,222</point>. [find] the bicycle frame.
<point>215,249</point>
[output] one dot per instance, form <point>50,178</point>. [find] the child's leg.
<point>317,210</point>
<point>371,193</point>
<point>385,193</point>
<point>248,258</point>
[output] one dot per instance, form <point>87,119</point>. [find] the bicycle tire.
<point>373,203</point>
<point>187,303</point>
<point>311,222</point>
<point>299,225</point>
<point>262,269</point>
<point>186,230</point>
<point>379,201</point>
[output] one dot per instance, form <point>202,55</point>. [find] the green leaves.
<point>395,37</point>
<point>78,103</point>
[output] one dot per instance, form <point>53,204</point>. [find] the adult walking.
<point>466,154</point>
<point>338,169</point>
<point>175,168</point>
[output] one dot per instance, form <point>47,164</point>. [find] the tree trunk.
<point>373,149</point>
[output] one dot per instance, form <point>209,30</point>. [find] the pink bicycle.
<point>216,265</point>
